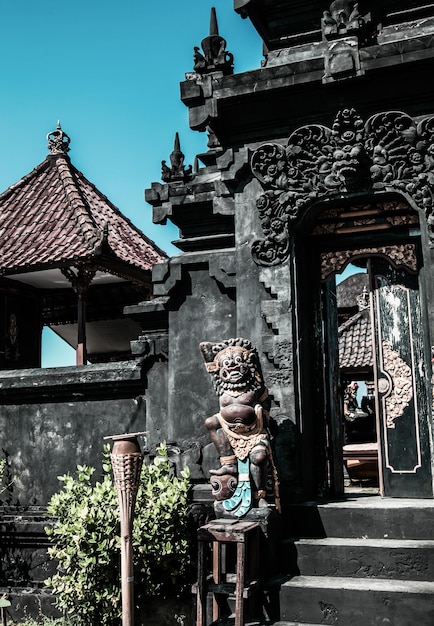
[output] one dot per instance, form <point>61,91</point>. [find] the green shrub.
<point>86,544</point>
<point>30,621</point>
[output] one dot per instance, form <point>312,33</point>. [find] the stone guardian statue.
<point>239,430</point>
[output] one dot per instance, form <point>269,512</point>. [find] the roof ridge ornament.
<point>176,172</point>
<point>363,299</point>
<point>215,57</point>
<point>345,18</point>
<point>58,141</point>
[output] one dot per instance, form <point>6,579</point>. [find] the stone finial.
<point>363,299</point>
<point>58,141</point>
<point>215,57</point>
<point>177,170</point>
<point>345,18</point>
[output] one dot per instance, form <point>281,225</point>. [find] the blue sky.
<point>110,72</point>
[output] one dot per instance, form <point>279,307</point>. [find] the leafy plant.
<point>86,545</point>
<point>4,603</point>
<point>47,621</point>
<point>160,538</point>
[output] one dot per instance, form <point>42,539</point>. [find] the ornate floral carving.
<point>403,255</point>
<point>58,141</point>
<point>388,152</point>
<point>81,278</point>
<point>400,392</point>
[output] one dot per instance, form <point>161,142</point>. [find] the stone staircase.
<point>362,561</point>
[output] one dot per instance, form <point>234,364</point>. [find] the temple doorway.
<point>356,373</point>
<point>381,348</point>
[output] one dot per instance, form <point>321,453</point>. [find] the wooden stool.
<point>243,582</point>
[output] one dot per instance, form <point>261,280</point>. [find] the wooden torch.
<point>127,459</point>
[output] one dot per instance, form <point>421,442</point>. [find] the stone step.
<point>268,623</point>
<point>363,516</point>
<point>401,559</point>
<point>356,601</point>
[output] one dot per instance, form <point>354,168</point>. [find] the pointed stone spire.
<point>213,26</point>
<point>58,141</point>
<point>215,57</point>
<point>176,171</point>
<point>177,157</point>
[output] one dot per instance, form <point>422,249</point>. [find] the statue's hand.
<point>231,469</point>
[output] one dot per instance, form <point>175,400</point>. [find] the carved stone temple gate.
<point>360,193</point>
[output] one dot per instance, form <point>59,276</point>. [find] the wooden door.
<point>401,371</point>
<point>333,404</point>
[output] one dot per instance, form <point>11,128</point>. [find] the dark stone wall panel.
<point>207,314</point>
<point>43,441</point>
<point>156,403</point>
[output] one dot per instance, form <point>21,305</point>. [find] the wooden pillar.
<point>80,279</point>
<point>81,355</point>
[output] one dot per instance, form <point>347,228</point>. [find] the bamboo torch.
<point>127,459</point>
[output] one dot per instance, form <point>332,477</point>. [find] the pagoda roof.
<point>54,217</point>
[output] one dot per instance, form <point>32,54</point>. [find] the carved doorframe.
<point>403,253</point>
<point>389,159</point>
<point>390,153</point>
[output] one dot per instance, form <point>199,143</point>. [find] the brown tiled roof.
<point>54,217</point>
<point>355,342</point>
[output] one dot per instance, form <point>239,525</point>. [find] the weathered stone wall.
<point>204,312</point>
<point>51,420</point>
<point>264,315</point>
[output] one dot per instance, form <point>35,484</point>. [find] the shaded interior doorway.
<point>356,374</point>
<point>383,238</point>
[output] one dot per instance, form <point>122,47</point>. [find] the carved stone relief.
<point>400,390</point>
<point>344,17</point>
<point>403,255</point>
<point>389,152</point>
<point>277,337</point>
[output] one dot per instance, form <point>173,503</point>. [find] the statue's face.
<point>233,367</point>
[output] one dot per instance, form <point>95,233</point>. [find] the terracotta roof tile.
<point>55,216</point>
